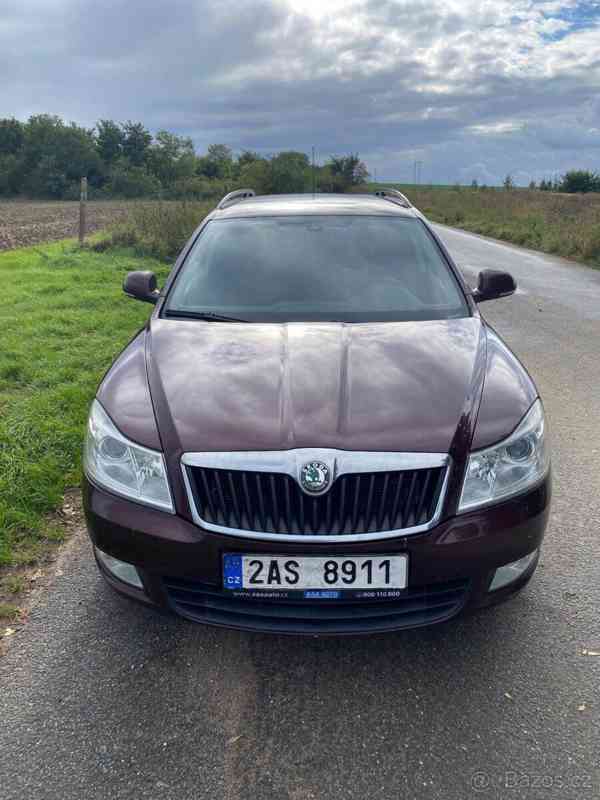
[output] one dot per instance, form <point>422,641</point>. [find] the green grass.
<point>8,612</point>
<point>63,319</point>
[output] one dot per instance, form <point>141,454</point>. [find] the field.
<point>563,224</point>
<point>63,319</point>
<point>23,223</point>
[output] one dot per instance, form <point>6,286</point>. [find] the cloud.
<point>470,87</point>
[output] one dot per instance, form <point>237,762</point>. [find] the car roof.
<point>308,204</point>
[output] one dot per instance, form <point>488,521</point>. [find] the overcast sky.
<point>472,88</point>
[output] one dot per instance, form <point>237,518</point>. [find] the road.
<point>103,699</point>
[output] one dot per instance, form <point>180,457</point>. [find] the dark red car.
<point>316,431</point>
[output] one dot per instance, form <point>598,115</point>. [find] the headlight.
<point>121,466</point>
<point>509,467</point>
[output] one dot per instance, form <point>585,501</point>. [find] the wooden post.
<point>82,209</point>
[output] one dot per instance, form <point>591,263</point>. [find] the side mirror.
<point>141,285</point>
<point>492,284</point>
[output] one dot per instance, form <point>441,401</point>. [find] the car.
<point>316,431</point>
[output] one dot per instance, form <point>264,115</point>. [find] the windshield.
<point>317,268</point>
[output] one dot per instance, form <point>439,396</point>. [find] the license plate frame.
<point>311,584</point>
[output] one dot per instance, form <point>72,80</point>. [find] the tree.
<point>217,163</point>
<point>10,174</point>
<point>247,157</point>
<point>42,133</point>
<point>508,183</point>
<point>49,177</point>
<point>136,143</point>
<point>532,185</point>
<point>350,169</point>
<point>219,153</point>
<point>128,181</point>
<point>55,155</point>
<point>290,172</point>
<point>110,139</point>
<point>474,184</point>
<point>76,154</point>
<point>579,180</point>
<point>257,175</point>
<point>12,136</point>
<point>171,157</point>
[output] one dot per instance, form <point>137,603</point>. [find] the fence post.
<point>82,210</point>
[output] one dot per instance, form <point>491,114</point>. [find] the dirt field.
<point>23,223</point>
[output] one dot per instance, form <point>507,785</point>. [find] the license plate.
<point>315,577</point>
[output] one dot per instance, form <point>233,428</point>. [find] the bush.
<point>132,182</point>
<point>159,229</point>
<point>580,180</point>
<point>196,188</point>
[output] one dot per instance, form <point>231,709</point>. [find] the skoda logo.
<point>314,477</point>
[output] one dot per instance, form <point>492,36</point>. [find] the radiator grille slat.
<point>380,514</point>
<point>360,503</point>
<point>234,500</point>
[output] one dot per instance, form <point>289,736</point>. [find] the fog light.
<point>511,572</point>
<point>120,569</point>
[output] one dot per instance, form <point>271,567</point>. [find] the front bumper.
<point>450,566</point>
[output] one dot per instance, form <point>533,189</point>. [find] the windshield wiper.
<point>202,315</point>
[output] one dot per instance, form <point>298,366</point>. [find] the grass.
<point>562,224</point>
<point>13,584</point>
<point>8,612</point>
<point>63,319</point>
<point>158,229</point>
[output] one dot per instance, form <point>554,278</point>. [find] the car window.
<point>346,268</point>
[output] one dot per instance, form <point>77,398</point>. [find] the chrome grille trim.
<point>289,462</point>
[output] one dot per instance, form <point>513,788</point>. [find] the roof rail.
<point>395,197</point>
<point>235,197</point>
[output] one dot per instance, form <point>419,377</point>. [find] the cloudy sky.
<point>472,88</point>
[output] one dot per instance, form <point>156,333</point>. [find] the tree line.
<point>46,157</point>
<point>575,181</point>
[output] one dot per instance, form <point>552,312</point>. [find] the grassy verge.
<point>562,224</point>
<point>157,229</point>
<point>62,320</point>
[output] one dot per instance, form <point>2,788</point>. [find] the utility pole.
<point>417,172</point>
<point>314,184</point>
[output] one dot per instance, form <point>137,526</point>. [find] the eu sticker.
<point>232,572</point>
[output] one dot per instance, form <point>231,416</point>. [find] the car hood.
<point>384,386</point>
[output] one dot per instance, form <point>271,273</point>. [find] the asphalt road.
<point>100,698</point>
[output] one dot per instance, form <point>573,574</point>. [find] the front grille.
<point>361,503</point>
<point>420,605</point>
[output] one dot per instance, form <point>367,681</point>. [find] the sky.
<point>473,89</point>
